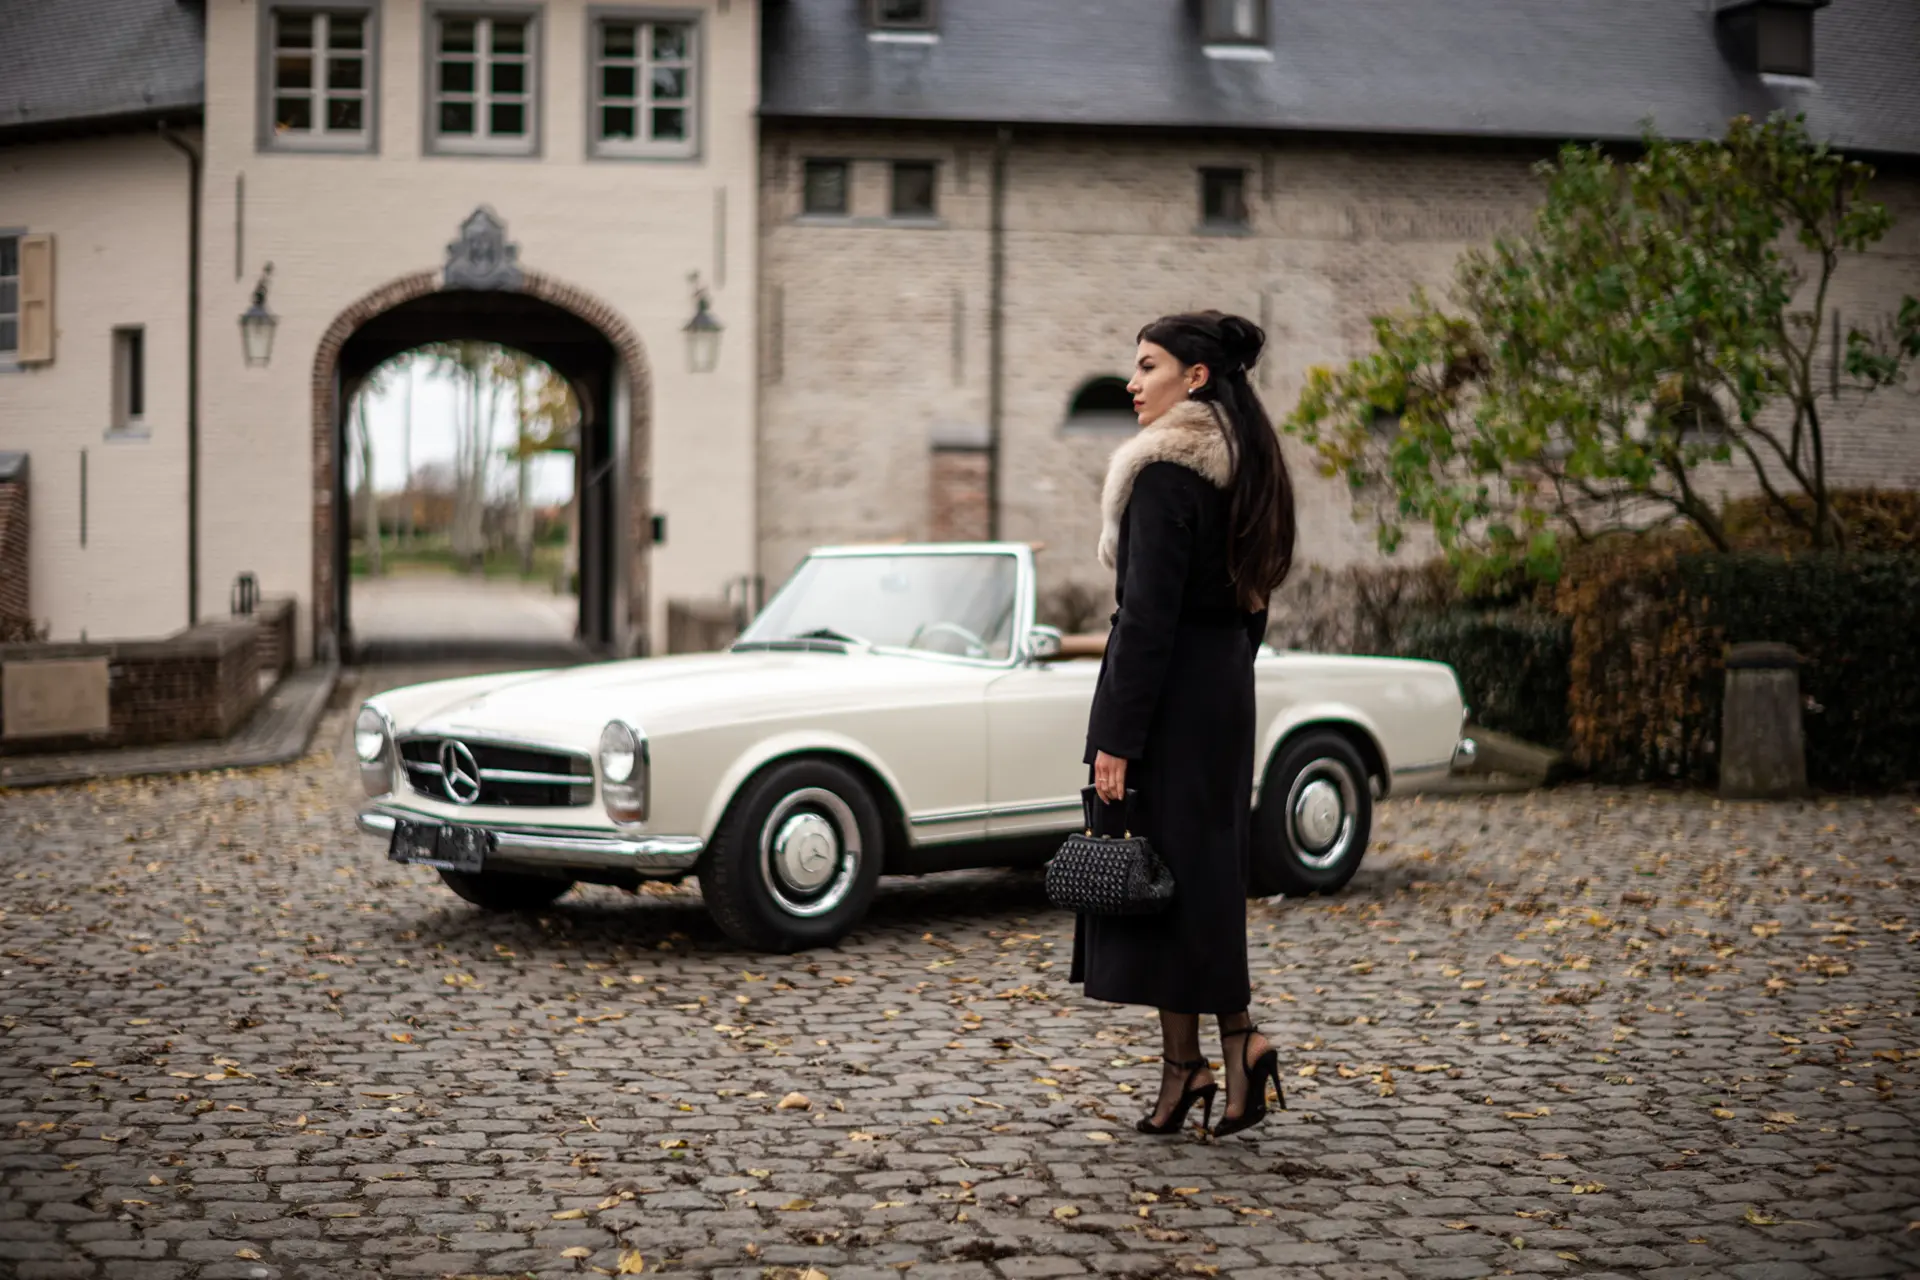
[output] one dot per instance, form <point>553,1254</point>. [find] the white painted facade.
<point>338,226</point>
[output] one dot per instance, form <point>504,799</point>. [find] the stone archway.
<point>326,437</point>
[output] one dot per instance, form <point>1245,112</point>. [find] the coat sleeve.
<point>1160,522</point>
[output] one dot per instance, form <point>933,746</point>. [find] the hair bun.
<point>1242,340</point>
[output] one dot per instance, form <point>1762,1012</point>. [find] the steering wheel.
<point>976,647</point>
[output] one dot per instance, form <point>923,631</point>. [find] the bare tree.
<point>369,495</point>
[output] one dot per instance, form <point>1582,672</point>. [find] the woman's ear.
<point>1198,376</point>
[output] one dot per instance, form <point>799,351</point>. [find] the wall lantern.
<point>703,331</point>
<point>257,325</point>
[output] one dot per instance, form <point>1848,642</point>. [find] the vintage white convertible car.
<point>893,709</point>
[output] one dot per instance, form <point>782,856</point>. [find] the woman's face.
<point>1160,381</point>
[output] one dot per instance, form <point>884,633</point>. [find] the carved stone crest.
<point>482,258</point>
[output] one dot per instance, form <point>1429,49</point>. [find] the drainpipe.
<point>996,325</point>
<point>192,154</point>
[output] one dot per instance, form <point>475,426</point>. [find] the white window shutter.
<point>36,300</point>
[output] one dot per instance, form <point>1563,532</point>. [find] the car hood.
<point>665,695</point>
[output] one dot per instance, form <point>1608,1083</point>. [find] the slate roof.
<point>78,61</point>
<point>1584,69</point>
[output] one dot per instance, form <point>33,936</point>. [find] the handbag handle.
<point>1098,812</point>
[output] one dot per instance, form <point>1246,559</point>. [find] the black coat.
<point>1175,700</point>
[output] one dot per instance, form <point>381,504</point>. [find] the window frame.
<point>1774,24</point>
<point>1217,33</point>
<point>128,407</point>
<point>367,141</point>
<point>1221,226</point>
<point>845,166</point>
<point>432,141</point>
<point>598,148</point>
<point>928,26</point>
<point>10,356</point>
<point>893,191</point>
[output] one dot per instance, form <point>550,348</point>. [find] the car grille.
<point>508,775</point>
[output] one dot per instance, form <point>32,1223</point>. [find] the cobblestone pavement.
<point>1578,1032</point>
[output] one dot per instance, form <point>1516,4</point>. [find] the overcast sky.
<point>435,404</point>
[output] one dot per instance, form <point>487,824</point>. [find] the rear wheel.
<point>505,890</point>
<point>1315,814</point>
<point>796,859</point>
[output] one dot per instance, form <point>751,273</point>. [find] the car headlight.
<point>624,767</point>
<point>373,744</point>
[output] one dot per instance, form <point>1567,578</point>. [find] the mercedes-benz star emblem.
<point>460,771</point>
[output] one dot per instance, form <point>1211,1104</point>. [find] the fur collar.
<point>1189,434</point>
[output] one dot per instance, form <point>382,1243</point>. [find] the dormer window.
<point>901,15</point>
<point>1234,22</point>
<point>1771,37</point>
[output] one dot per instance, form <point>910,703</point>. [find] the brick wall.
<point>957,504</point>
<point>200,683</point>
<point>15,608</point>
<point>273,621</point>
<point>875,334</point>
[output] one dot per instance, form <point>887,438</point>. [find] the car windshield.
<point>959,605</point>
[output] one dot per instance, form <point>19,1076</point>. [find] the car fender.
<point>1299,715</point>
<point>796,743</point>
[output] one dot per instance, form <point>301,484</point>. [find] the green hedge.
<point>1853,619</point>
<point>1512,667</point>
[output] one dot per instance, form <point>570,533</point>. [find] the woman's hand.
<point>1110,777</point>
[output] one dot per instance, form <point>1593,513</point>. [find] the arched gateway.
<point>483,295</point>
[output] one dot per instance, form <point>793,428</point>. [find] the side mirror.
<point>1043,643</point>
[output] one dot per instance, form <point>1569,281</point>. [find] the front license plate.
<point>431,844</point>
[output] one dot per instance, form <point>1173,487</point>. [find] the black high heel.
<point>1178,1116</point>
<point>1262,1071</point>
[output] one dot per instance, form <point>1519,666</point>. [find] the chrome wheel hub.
<point>809,852</point>
<point>1316,814</point>
<point>1320,807</point>
<point>806,849</point>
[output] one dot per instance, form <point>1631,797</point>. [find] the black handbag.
<point>1104,874</point>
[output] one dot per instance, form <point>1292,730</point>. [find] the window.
<point>643,88</point>
<point>1234,21</point>
<point>319,77</point>
<point>901,15</point>
<point>824,188</point>
<point>1223,198</point>
<point>482,80</point>
<point>26,298</point>
<point>1785,40</point>
<point>9,297</point>
<point>913,189</point>
<point>1102,404</point>
<point>129,377</point>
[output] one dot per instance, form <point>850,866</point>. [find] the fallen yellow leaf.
<point>251,1255</point>
<point>794,1102</point>
<point>631,1264</point>
<point>1758,1218</point>
<point>1066,1211</point>
<point>578,1251</point>
<point>568,1215</point>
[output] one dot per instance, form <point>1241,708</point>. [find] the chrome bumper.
<point>649,857</point>
<point>1465,753</point>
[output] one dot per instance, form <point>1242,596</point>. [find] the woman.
<point>1197,522</point>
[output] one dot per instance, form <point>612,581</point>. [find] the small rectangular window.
<point>129,377</point>
<point>1223,197</point>
<point>319,78</point>
<point>643,88</point>
<point>1234,21</point>
<point>483,83</point>
<point>1785,41</point>
<point>901,15</point>
<point>824,188</point>
<point>9,297</point>
<point>913,189</point>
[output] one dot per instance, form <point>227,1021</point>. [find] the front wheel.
<point>1315,814</point>
<point>796,859</point>
<point>505,890</point>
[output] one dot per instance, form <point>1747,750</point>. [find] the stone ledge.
<point>279,731</point>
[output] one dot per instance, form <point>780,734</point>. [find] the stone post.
<point>1763,752</point>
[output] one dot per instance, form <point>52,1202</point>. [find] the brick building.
<point>931,228</point>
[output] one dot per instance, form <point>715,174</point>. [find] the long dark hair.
<point>1260,506</point>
